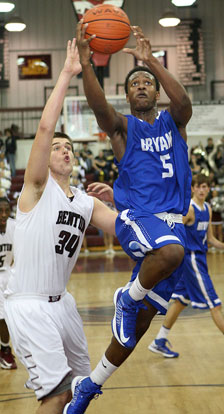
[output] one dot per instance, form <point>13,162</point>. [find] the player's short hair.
<point>4,200</point>
<point>63,135</point>
<point>140,69</point>
<point>200,179</point>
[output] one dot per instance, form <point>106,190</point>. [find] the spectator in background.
<point>78,171</point>
<point>100,168</point>
<point>10,150</point>
<point>5,174</point>
<point>195,167</point>
<point>15,131</point>
<point>210,145</point>
<point>217,207</point>
<point>87,156</point>
<point>1,141</point>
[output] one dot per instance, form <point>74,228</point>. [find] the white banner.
<point>207,120</point>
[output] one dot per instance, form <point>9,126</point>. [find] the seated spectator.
<point>87,156</point>
<point>195,167</point>
<point>210,145</point>
<point>78,170</point>
<point>10,150</point>
<point>5,174</point>
<point>100,168</point>
<point>113,173</point>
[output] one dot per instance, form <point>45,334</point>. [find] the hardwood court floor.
<point>146,382</point>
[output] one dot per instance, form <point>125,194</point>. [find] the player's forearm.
<point>216,243</point>
<point>93,91</point>
<point>54,104</point>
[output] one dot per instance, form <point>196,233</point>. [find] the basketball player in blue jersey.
<point>195,285</point>
<point>152,193</point>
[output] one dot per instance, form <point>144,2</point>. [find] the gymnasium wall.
<point>51,22</point>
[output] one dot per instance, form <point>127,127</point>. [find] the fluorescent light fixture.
<point>183,3</point>
<point>6,6</point>
<point>169,19</point>
<point>15,24</point>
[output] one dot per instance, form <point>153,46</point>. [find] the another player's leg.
<point>54,404</point>
<point>160,344</point>
<point>218,317</point>
<point>7,359</point>
<point>84,389</point>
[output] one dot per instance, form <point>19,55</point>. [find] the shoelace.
<point>170,220</point>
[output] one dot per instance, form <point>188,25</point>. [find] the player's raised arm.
<point>108,119</point>
<point>37,168</point>
<point>180,104</point>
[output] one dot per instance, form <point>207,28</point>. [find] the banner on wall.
<point>206,120</point>
<point>81,6</point>
<point>34,67</point>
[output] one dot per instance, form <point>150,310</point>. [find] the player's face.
<point>4,214</point>
<point>200,191</point>
<point>61,158</point>
<point>142,93</point>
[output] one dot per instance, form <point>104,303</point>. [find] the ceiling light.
<point>169,19</point>
<point>15,24</point>
<point>6,6</point>
<point>182,3</point>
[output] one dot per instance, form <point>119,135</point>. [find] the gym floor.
<point>146,382</point>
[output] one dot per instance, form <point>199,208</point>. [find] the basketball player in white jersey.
<point>7,226</point>
<point>45,327</point>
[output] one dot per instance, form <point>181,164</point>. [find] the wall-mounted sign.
<point>161,55</point>
<point>34,66</point>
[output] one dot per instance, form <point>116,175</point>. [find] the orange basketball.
<point>111,26</point>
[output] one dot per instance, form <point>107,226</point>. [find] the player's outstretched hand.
<point>82,43</point>
<point>72,64</point>
<point>143,50</point>
<point>102,191</point>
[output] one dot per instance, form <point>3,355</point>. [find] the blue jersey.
<point>154,173</point>
<point>196,235</point>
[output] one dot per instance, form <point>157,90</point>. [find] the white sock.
<point>163,332</point>
<point>137,291</point>
<point>103,371</point>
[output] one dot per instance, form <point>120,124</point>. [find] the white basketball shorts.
<point>48,338</point>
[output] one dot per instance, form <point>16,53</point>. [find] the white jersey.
<point>6,258</point>
<point>47,241</point>
<point>6,246</point>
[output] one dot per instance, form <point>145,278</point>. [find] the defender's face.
<point>142,93</point>
<point>61,158</point>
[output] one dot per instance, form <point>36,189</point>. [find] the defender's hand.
<point>102,191</point>
<point>72,64</point>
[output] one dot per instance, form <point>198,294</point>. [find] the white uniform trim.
<point>135,228</point>
<point>200,280</point>
<point>163,238</point>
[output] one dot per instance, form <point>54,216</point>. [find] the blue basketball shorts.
<point>195,285</point>
<point>139,235</point>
